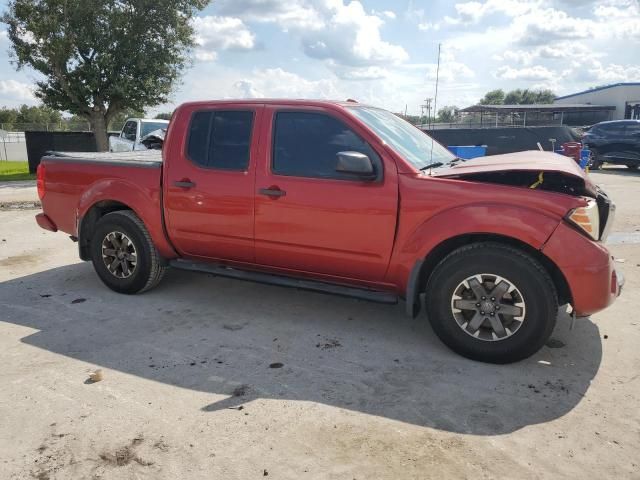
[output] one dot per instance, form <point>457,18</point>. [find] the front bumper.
<point>588,268</point>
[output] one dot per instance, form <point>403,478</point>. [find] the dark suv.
<point>616,142</point>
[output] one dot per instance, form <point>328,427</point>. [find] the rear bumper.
<point>46,223</point>
<point>588,268</point>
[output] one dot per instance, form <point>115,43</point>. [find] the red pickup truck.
<point>348,199</point>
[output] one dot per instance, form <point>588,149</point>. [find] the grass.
<point>14,171</point>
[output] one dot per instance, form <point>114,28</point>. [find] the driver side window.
<point>129,131</point>
<point>307,144</point>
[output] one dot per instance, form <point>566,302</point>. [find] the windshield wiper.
<point>431,165</point>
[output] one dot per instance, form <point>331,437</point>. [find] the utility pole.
<point>426,107</point>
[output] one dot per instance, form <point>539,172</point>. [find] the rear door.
<point>209,184</point>
<point>322,222</point>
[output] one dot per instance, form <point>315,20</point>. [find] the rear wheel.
<point>123,254</point>
<point>492,302</point>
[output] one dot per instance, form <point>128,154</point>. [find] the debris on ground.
<point>96,376</point>
<point>328,343</point>
<point>276,365</point>
<point>78,300</point>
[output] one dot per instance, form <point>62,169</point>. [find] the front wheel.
<point>123,254</point>
<point>491,302</point>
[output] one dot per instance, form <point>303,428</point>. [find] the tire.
<point>533,303</point>
<point>596,160</point>
<point>143,269</point>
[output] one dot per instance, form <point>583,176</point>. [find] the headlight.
<point>587,219</point>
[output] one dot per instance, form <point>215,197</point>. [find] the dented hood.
<point>518,169</point>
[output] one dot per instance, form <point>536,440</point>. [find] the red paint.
<point>361,233</point>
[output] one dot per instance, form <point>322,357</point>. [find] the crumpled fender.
<point>519,222</point>
<point>145,202</point>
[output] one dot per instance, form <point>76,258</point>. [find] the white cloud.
<point>451,70</point>
<point>327,29</point>
<point>16,90</point>
<point>297,14</point>
<point>278,83</point>
<point>534,73</point>
<point>215,33</point>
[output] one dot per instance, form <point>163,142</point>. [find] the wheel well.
<point>88,223</point>
<point>445,248</point>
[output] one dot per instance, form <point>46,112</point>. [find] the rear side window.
<point>306,145</point>
<point>220,139</point>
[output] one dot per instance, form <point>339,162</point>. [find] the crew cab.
<point>348,199</point>
<point>133,133</point>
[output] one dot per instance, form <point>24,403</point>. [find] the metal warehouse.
<point>624,96</point>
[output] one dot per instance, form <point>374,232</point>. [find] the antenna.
<point>435,101</point>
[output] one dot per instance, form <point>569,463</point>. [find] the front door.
<point>209,199</point>
<point>322,221</point>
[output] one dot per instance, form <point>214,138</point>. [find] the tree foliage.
<point>164,116</point>
<point>494,97</point>
<point>447,114</point>
<point>518,97</point>
<point>29,115</point>
<point>100,57</point>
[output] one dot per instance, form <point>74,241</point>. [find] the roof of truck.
<point>276,101</point>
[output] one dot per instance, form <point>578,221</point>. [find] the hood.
<point>559,173</point>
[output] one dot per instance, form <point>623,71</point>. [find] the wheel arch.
<point>424,267</point>
<point>88,222</point>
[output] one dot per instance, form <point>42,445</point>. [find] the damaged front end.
<point>535,170</point>
<point>541,171</point>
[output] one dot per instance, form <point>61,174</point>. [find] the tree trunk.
<point>99,128</point>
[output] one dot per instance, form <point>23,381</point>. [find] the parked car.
<point>133,132</point>
<point>346,199</point>
<point>616,142</point>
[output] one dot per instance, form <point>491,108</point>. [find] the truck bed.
<point>143,158</point>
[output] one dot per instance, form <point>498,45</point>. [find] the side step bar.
<point>285,281</point>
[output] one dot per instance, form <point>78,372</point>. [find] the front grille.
<point>606,211</point>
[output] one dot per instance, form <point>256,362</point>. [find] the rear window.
<point>148,127</point>
<point>220,139</point>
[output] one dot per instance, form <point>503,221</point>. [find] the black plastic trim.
<point>286,281</point>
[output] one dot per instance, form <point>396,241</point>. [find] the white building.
<point>624,96</point>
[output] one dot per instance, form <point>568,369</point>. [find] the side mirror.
<point>357,164</point>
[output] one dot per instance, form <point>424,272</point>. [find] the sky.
<point>385,52</point>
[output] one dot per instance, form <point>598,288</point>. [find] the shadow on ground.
<point>248,341</point>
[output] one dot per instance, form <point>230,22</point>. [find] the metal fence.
<point>46,127</point>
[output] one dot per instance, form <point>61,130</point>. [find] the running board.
<point>285,281</point>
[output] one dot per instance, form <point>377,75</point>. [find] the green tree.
<point>528,97</point>
<point>99,57</point>
<point>8,118</point>
<point>494,97</point>
<point>164,116</point>
<point>447,114</point>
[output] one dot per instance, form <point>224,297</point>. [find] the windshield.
<point>412,144</point>
<point>148,127</point>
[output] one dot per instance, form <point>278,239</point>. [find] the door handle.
<point>272,192</point>
<point>184,184</point>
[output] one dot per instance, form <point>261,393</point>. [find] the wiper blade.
<point>431,165</point>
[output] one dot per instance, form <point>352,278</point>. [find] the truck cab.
<point>133,132</point>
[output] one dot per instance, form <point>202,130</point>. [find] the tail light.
<point>40,180</point>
